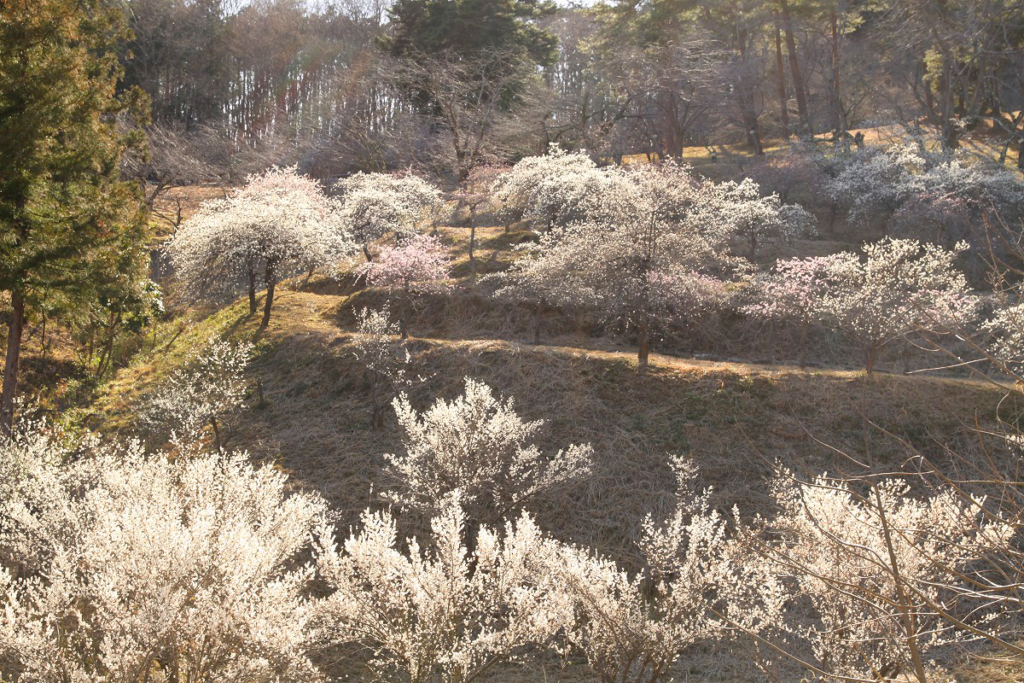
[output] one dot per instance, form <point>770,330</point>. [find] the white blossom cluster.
<point>373,205</point>
<point>210,385</point>
<point>877,567</point>
<point>279,224</point>
<point>120,566</point>
<point>478,446</point>
<point>442,612</point>
<point>116,565</point>
<point>1006,329</point>
<point>915,187</point>
<point>897,288</point>
<point>550,190</point>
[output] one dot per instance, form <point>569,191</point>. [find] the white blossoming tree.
<point>412,267</point>
<point>549,190</point>
<point>279,224</point>
<point>917,191</point>
<point>898,288</point>
<point>374,205</point>
<point>378,348</point>
<point>210,385</point>
<point>441,613</point>
<point>641,260</point>
<point>479,446</point>
<point>119,566</point>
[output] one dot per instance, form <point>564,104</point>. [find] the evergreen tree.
<point>69,226</point>
<point>472,28</point>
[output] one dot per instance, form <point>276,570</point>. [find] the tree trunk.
<point>472,239</point>
<point>10,387</point>
<point>803,345</point>
<point>216,433</point>
<point>643,340</point>
<point>837,103</point>
<point>366,253</point>
<point>403,318</point>
<point>252,290</point>
<point>794,67</point>
<point>870,356</point>
<point>271,283</point>
<point>780,68</point>
<point>536,322</point>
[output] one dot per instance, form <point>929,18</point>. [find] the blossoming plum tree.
<point>899,287</point>
<point>549,190</point>
<point>637,260</point>
<point>386,359</point>
<point>792,293</point>
<point>280,223</point>
<point>413,266</point>
<point>374,205</point>
<point>879,566</point>
<point>210,385</point>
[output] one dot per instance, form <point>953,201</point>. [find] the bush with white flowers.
<point>122,566</point>
<point>479,446</point>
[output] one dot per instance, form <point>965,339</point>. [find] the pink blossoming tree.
<point>412,267</point>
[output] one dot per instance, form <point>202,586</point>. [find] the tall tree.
<point>66,218</point>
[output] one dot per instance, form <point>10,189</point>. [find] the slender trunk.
<point>403,319</point>
<point>10,387</point>
<point>472,239</point>
<point>271,283</point>
<point>950,132</point>
<point>366,253</point>
<point>870,356</point>
<point>803,344</point>
<point>252,290</point>
<point>837,103</point>
<point>794,67</point>
<point>643,340</point>
<point>377,414</point>
<point>536,322</point>
<point>216,432</point>
<point>781,70</point>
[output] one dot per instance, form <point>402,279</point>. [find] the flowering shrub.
<point>279,224</point>
<point>413,266</point>
<point>210,385</point>
<point>443,612</point>
<point>633,628</point>
<point>738,209</point>
<point>476,445</point>
<point>877,566</point>
<point>1006,328</point>
<point>385,358</point>
<point>119,566</point>
<point>923,191</point>
<point>374,205</point>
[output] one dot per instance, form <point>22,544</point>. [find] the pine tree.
<point>68,224</point>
